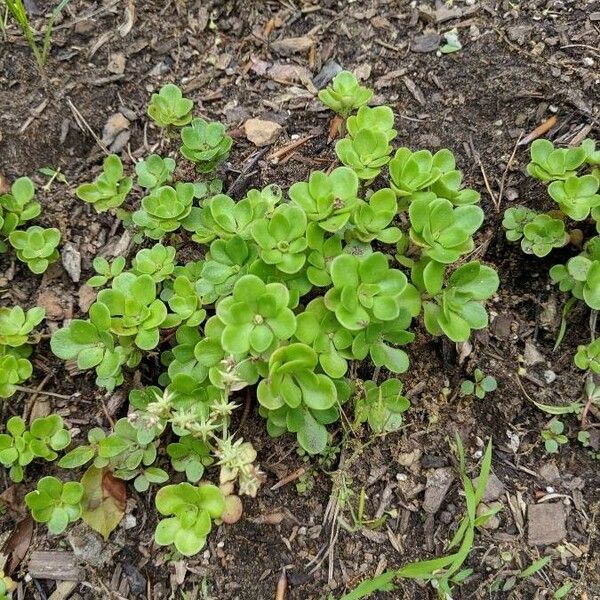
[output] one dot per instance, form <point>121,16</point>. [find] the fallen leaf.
<point>104,500</point>
<point>16,546</point>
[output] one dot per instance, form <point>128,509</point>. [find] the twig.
<point>282,585</point>
<point>487,186</point>
<point>83,123</point>
<point>289,478</point>
<point>278,154</point>
<point>243,176</point>
<point>28,390</point>
<point>504,175</point>
<point>539,131</point>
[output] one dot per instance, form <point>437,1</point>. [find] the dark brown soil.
<point>519,65</point>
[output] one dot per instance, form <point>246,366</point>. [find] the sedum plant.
<point>169,107</point>
<point>154,171</point>
<point>16,328</point>
<point>55,503</point>
<point>381,406</point>
<point>345,94</point>
<point>36,247</point>
<point>573,181</point>
<point>21,445</point>
<point>18,206</point>
<point>284,291</point>
<point>189,511</point>
<point>205,144</point>
<point>110,188</point>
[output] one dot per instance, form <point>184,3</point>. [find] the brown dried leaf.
<point>16,546</point>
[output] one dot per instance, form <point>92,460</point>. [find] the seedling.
<point>154,171</point>
<point>480,386</point>
<point>106,271</point>
<point>19,446</point>
<point>205,144</point>
<point>170,108</point>
<point>55,503</point>
<point>36,247</point>
<point>190,456</point>
<point>553,436</point>
<point>190,511</point>
<point>588,357</point>
<point>110,188</point>
<point>381,406</point>
<point>345,94</point>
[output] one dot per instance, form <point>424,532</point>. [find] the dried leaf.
<point>16,545</point>
<point>104,500</point>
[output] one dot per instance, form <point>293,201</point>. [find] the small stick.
<point>487,186</point>
<point>289,478</point>
<point>504,175</point>
<point>282,586</point>
<point>28,390</point>
<point>81,121</point>
<point>539,131</point>
<point>275,156</point>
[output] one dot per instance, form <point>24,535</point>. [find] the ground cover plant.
<point>289,292</point>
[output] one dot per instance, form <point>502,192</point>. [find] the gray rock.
<point>546,524</point>
<point>549,472</point>
<point>426,43</point>
<point>493,490</point>
<point>293,45</point>
<point>330,69</point>
<point>436,488</point>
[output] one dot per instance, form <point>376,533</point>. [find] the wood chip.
<point>414,89</point>
<point>54,564</point>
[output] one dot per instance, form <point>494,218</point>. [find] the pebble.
<point>115,124</point>
<point>261,132</point>
<point>546,524</point>
<point>71,260</point>
<point>436,488</point>
<point>493,522</point>
<point>429,42</point>
<point>549,472</point>
<point>293,45</point>
<point>330,69</point>
<point>531,354</point>
<point>493,490</point>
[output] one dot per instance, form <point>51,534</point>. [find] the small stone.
<point>262,133</point>
<point>549,375</point>
<point>88,546</point>
<point>493,490</point>
<point>492,522</point>
<point>410,459</point>
<point>51,303</point>
<point>426,43</point>
<point>116,63</point>
<point>330,69</point>
<point>71,260</point>
<point>532,355</point>
<point>436,488</point>
<point>547,524</point>
<point>87,296</point>
<point>290,73</point>
<point>430,461</point>
<point>293,45</point>
<point>115,124</point>
<point>120,141</point>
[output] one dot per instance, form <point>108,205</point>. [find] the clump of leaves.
<point>572,177</point>
<point>588,357</point>
<point>205,144</point>
<point>154,171</point>
<point>169,107</point>
<point>110,188</point>
<point>18,206</point>
<point>381,406</point>
<point>190,511</point>
<point>553,436</point>
<point>479,386</point>
<point>55,503</point>
<point>36,247</point>
<point>16,327</point>
<point>344,94</point>
<point>20,445</point>
<point>295,291</point>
